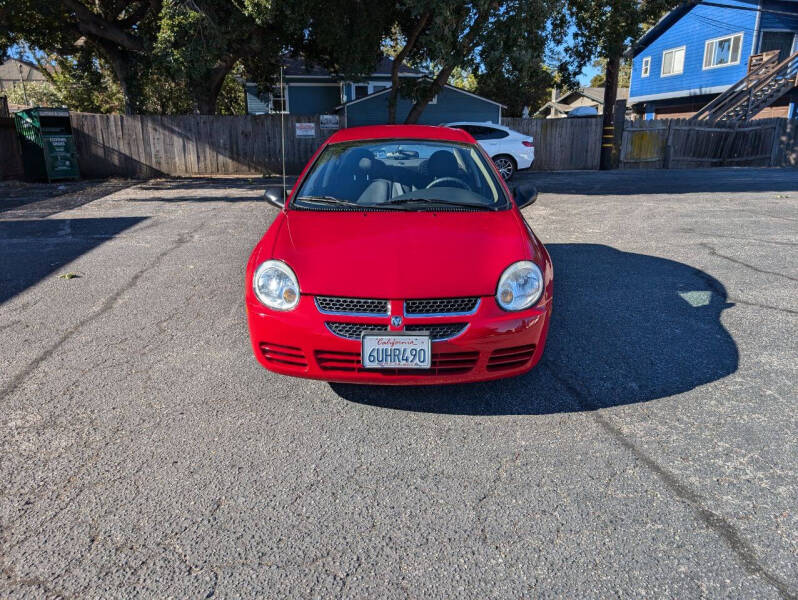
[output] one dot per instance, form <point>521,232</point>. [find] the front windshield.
<point>397,174</point>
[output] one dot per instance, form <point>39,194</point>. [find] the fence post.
<point>774,153</point>
<point>668,154</point>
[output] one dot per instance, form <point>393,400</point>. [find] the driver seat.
<point>442,163</point>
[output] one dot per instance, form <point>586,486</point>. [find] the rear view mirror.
<point>525,194</point>
<point>275,195</point>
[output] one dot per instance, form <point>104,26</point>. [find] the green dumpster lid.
<point>46,111</point>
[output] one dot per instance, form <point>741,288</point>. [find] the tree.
<point>624,73</point>
<point>603,29</point>
<point>120,32</point>
<point>445,35</point>
<point>199,43</point>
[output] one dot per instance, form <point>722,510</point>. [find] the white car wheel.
<point>505,166</point>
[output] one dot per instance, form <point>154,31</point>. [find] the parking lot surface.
<point>652,453</point>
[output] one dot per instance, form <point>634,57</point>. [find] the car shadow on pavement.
<point>30,250</point>
<point>625,328</point>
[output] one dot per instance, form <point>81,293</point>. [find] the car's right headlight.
<point>520,286</point>
<point>276,286</point>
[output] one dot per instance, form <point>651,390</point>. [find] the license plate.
<point>396,351</point>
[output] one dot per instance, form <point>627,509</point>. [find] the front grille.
<point>443,363</point>
<point>352,331</point>
<point>354,306</point>
<point>441,306</point>
<point>510,358</point>
<point>442,331</point>
<point>285,355</point>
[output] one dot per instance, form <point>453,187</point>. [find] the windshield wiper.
<point>332,200</point>
<point>437,203</point>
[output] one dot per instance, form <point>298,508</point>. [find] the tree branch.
<point>94,25</point>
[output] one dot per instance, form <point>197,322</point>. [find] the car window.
<point>383,173</point>
<point>481,132</point>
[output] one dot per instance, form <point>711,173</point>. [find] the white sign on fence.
<point>306,130</point>
<point>329,122</point>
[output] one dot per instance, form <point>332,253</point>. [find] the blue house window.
<point>723,51</point>
<point>644,72</point>
<point>673,61</point>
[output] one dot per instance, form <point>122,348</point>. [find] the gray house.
<point>312,90</point>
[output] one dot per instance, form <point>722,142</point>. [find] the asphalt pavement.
<point>652,453</point>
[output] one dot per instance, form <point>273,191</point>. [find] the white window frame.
<point>645,69</point>
<point>662,72</point>
<point>286,109</point>
<point>713,43</point>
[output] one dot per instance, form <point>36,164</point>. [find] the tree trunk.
<point>393,95</point>
<point>207,95</point>
<point>437,85</point>
<point>121,68</point>
<point>608,128</point>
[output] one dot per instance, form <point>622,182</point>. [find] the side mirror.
<point>275,196</point>
<point>525,194</point>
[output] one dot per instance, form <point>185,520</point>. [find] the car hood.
<point>400,254</point>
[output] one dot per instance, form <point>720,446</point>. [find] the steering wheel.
<point>449,180</point>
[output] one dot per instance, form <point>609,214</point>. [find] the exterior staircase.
<point>767,81</point>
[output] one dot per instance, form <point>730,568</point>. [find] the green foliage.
<point>502,42</point>
<point>84,83</point>
<point>232,100</point>
<point>624,73</point>
<point>605,29</point>
<point>34,93</point>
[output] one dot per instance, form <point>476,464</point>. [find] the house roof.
<point>661,27</point>
<point>297,67</point>
<point>592,93</point>
<point>446,85</point>
<point>9,70</point>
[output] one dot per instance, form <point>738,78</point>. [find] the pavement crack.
<point>713,251</point>
<point>727,532</point>
<point>106,306</point>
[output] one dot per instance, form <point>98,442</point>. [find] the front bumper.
<point>495,344</point>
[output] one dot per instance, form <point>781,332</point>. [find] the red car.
<point>400,257</point>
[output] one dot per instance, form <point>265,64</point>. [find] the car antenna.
<point>282,129</point>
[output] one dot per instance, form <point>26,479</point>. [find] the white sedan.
<point>510,150</point>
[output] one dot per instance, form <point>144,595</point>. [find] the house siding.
<point>256,104</point>
<point>700,24</point>
<point>450,106</point>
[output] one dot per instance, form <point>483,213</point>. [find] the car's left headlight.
<point>276,286</point>
<point>520,286</point>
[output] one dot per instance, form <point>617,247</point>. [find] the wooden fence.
<point>679,143</point>
<point>562,144</point>
<point>150,146</point>
<point>10,151</point>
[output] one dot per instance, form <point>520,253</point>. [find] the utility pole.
<point>22,81</point>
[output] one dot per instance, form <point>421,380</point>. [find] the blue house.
<point>697,51</point>
<point>312,90</point>
<point>451,104</point>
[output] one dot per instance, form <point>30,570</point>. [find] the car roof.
<point>401,132</point>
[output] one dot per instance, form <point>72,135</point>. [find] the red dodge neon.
<point>400,257</point>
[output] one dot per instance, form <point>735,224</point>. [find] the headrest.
<point>442,163</point>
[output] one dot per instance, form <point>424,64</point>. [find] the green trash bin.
<point>48,149</point>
